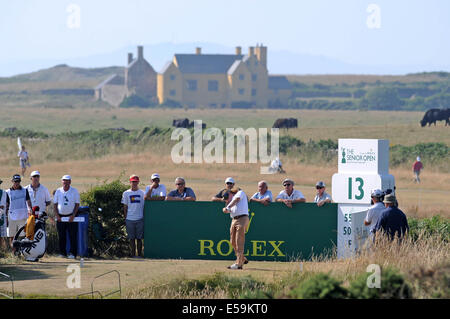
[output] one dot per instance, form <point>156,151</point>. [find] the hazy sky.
<point>399,32</point>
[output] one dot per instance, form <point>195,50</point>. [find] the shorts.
<point>14,226</point>
<point>135,228</point>
<point>23,164</point>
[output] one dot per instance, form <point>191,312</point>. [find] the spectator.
<point>39,194</point>
<point>263,196</point>
<point>222,196</point>
<point>66,201</point>
<point>237,207</point>
<point>290,195</point>
<point>17,211</point>
<point>276,166</point>
<point>4,243</point>
<point>417,167</point>
<point>182,192</point>
<point>155,191</point>
<point>133,210</point>
<point>374,212</point>
<point>392,220</point>
<point>322,197</point>
<point>24,159</point>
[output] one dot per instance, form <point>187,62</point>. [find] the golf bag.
<point>34,249</point>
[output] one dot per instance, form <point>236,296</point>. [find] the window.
<point>241,91</point>
<point>213,85</point>
<point>172,92</point>
<point>254,77</point>
<point>253,92</point>
<point>172,77</point>
<point>191,85</point>
<point>241,77</point>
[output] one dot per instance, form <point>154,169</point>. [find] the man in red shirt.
<point>417,167</point>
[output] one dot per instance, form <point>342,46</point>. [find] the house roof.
<point>234,67</point>
<point>206,63</point>
<point>277,82</point>
<point>112,80</point>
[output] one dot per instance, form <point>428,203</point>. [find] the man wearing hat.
<point>222,196</point>
<point>66,202</point>
<point>17,207</point>
<point>322,197</point>
<point>290,195</point>
<point>155,191</point>
<point>392,221</point>
<point>374,212</point>
<point>417,167</point>
<point>39,194</point>
<point>237,207</point>
<point>133,209</point>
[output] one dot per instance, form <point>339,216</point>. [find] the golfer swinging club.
<point>237,207</point>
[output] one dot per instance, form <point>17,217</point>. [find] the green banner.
<point>200,230</point>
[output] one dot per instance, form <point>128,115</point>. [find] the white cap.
<point>418,158</point>
<point>66,177</point>
<point>376,193</point>
<point>35,173</point>
<point>155,175</point>
<point>229,180</point>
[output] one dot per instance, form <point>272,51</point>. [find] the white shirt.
<point>135,203</point>
<point>39,197</point>
<point>321,198</point>
<point>296,194</point>
<point>374,213</point>
<point>159,191</point>
<point>241,208</point>
<point>66,200</point>
<point>23,155</point>
<point>267,194</point>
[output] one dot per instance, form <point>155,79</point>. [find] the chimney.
<point>130,58</point>
<point>140,52</point>
<point>251,51</point>
<point>238,50</point>
<point>198,50</point>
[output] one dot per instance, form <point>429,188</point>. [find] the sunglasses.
<point>287,185</point>
<point>179,184</point>
<point>155,179</point>
<point>230,183</point>
<point>318,187</point>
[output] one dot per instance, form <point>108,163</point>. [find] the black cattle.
<point>181,123</point>
<point>285,123</point>
<point>185,123</point>
<point>433,115</point>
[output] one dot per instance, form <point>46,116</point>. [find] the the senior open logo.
<point>240,146</point>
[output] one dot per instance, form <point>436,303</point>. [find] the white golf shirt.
<point>374,213</point>
<point>66,200</point>
<point>159,191</point>
<point>296,194</point>
<point>39,197</point>
<point>241,208</point>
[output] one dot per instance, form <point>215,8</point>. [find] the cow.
<point>184,123</point>
<point>433,115</point>
<point>285,123</point>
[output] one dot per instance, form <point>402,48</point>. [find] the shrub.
<point>433,226</point>
<point>320,286</point>
<point>392,286</point>
<point>135,101</point>
<point>107,197</point>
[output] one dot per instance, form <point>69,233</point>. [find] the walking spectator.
<point>24,159</point>
<point>237,207</point>
<point>17,212</point>
<point>222,196</point>
<point>417,167</point>
<point>321,197</point>
<point>290,195</point>
<point>182,192</point>
<point>392,221</point>
<point>374,212</point>
<point>155,191</point>
<point>133,209</point>
<point>66,201</point>
<point>263,195</point>
<point>39,194</point>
